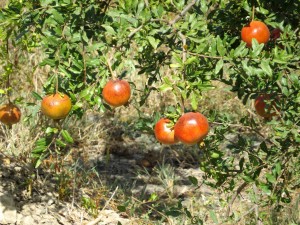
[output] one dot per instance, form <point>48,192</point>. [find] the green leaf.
<point>270,178</point>
<point>265,188</point>
<point>215,155</point>
<point>219,66</point>
<point>193,180</point>
<point>256,48</point>
<point>36,95</point>
<point>67,136</point>
<point>61,143</point>
<point>266,67</point>
<point>46,2</point>
<point>153,197</point>
<point>247,69</point>
<point>38,163</point>
<point>264,147</point>
<point>121,208</point>
<point>51,130</point>
<point>191,60</point>
<point>176,65</point>
<point>173,213</point>
<point>40,146</point>
<point>154,43</point>
<point>247,178</point>
<point>278,168</point>
<point>57,16</point>
<point>165,87</point>
<point>140,7</point>
<point>38,149</point>
<point>47,61</point>
<point>109,29</point>
<point>239,49</point>
<point>213,216</point>
<point>194,100</point>
<point>220,47</point>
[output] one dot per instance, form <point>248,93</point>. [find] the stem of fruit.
<point>110,68</point>
<point>184,53</point>
<point>253,12</point>
<point>8,72</point>
<point>8,88</point>
<point>56,85</point>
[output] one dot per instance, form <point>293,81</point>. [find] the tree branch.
<point>184,51</point>
<point>206,56</point>
<point>238,191</point>
<point>170,23</point>
<point>183,12</point>
<point>256,208</point>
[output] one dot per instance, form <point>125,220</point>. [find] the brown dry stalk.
<point>238,191</point>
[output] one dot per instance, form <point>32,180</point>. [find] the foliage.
<point>199,41</point>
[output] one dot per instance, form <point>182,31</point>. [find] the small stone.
<point>18,168</point>
<point>50,202</point>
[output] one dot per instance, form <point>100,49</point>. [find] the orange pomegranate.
<point>164,133</point>
<point>191,128</point>
<point>264,105</point>
<point>10,114</point>
<point>116,92</point>
<point>257,30</point>
<point>56,106</point>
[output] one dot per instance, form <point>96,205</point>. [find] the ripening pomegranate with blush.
<point>10,114</point>
<point>191,128</point>
<point>56,106</point>
<point>164,132</point>
<point>116,92</point>
<point>255,30</point>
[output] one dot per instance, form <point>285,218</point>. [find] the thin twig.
<point>183,39</point>
<point>110,68</point>
<point>206,56</point>
<point>56,84</point>
<point>256,209</point>
<point>8,74</point>
<point>245,127</point>
<point>94,222</point>
<point>245,214</point>
<point>183,12</point>
<point>238,191</point>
